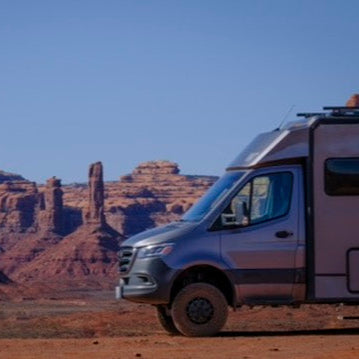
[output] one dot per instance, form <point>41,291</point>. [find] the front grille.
<point>125,256</point>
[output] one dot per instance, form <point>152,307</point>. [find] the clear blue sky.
<point>189,81</point>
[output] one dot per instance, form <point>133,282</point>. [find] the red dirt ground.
<point>93,325</point>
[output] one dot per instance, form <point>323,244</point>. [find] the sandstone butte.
<point>68,236</point>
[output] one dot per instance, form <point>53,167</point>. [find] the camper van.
<point>280,227</point>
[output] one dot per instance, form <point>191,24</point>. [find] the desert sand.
<point>94,325</point>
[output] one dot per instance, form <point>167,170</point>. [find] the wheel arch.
<point>207,274</point>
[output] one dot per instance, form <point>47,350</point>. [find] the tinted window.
<point>212,196</point>
<point>342,176</point>
<point>270,197</point>
<point>262,199</point>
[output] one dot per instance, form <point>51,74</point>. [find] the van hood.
<point>167,233</point>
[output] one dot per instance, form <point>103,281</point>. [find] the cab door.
<point>261,244</point>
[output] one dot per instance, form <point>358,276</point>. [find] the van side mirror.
<point>240,217</point>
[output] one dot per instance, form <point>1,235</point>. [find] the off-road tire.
<point>166,321</point>
<point>199,310</point>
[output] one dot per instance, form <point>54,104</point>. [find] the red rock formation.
<point>95,212</point>
<point>155,193</point>
<point>53,220</point>
<point>86,257</point>
<point>19,202</point>
<point>353,101</point>
<point>25,248</point>
<point>137,196</point>
<point>32,250</point>
<point>25,224</point>
<point>6,176</point>
<point>156,167</point>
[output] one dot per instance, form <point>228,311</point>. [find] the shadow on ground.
<point>270,333</point>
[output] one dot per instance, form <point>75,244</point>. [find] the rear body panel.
<point>336,217</point>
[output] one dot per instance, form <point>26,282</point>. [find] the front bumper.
<point>149,281</point>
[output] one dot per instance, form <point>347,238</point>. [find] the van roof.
<point>290,142</point>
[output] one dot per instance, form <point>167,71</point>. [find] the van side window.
<point>342,176</point>
<point>262,199</point>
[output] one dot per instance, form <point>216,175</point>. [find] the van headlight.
<point>155,250</point>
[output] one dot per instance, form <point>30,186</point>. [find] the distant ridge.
<point>6,176</point>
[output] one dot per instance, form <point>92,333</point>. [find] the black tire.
<point>166,321</point>
<point>199,310</point>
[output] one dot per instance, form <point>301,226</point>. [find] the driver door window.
<point>262,199</point>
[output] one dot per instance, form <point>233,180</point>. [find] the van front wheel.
<point>199,310</point>
<point>166,320</point>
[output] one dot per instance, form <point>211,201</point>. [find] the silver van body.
<point>280,227</point>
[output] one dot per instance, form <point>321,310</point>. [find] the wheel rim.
<point>200,310</point>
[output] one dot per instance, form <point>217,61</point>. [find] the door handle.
<point>283,234</point>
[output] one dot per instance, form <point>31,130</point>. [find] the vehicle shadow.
<point>271,333</point>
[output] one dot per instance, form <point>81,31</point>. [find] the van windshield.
<point>212,196</point>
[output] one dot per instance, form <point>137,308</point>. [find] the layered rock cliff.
<point>154,193</point>
<point>69,235</point>
<point>20,201</point>
<point>6,176</point>
<point>86,257</point>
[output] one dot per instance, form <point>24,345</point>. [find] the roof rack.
<point>310,114</point>
<point>335,111</point>
<point>342,110</point>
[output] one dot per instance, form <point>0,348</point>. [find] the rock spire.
<point>95,211</point>
<point>54,205</point>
